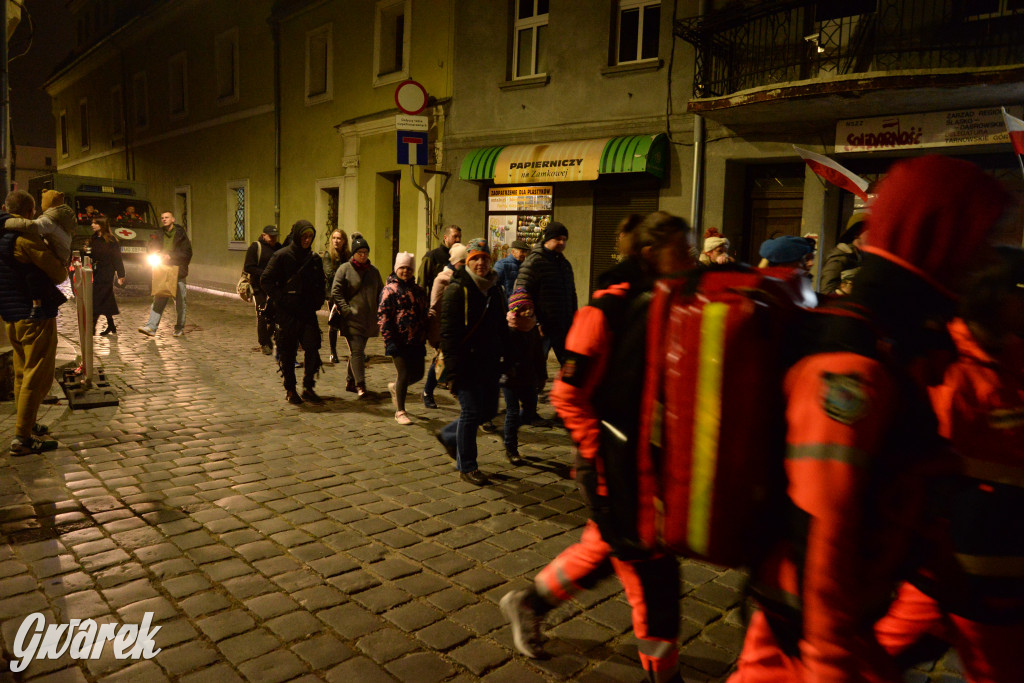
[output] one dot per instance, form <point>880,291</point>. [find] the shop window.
<point>391,41</point>
<point>140,101</point>
<point>319,65</point>
<point>638,27</point>
<point>529,40</point>
<point>116,113</point>
<point>238,214</point>
<point>177,86</point>
<point>226,66</point>
<point>64,133</point>
<point>83,110</point>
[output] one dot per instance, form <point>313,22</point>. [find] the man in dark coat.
<point>435,260</point>
<point>547,277</point>
<point>256,259</point>
<point>474,335</point>
<point>294,282</point>
<point>176,250</point>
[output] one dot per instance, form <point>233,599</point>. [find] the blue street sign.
<point>412,147</point>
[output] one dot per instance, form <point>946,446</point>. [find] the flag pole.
<point>1013,124</point>
<point>1021,162</point>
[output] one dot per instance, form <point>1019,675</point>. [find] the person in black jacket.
<point>256,259</point>
<point>294,282</point>
<point>547,277</point>
<point>177,251</point>
<point>106,265</point>
<point>435,260</point>
<point>474,335</point>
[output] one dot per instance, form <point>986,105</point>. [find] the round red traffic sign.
<point>411,97</point>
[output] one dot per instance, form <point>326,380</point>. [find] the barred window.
<point>238,214</point>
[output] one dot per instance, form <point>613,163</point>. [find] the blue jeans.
<point>519,406</point>
<point>431,383</point>
<point>477,405</point>
<point>160,303</point>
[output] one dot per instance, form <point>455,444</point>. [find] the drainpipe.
<point>5,116</point>
<point>275,32</point>
<point>699,142</point>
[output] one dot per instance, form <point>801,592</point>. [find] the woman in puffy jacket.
<point>402,316</point>
<point>356,292</point>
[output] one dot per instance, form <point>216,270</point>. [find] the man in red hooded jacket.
<point>861,432</point>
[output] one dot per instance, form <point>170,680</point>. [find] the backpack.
<point>244,286</point>
<point>711,442</point>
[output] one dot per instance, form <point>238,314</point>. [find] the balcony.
<point>793,60</point>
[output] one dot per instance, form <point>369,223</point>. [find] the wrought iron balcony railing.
<point>750,44</point>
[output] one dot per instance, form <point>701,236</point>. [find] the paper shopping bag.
<point>165,280</point>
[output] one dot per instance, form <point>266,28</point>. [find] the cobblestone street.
<point>274,542</point>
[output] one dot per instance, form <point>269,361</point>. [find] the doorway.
<point>183,208</point>
<point>393,229</point>
<point>775,199</point>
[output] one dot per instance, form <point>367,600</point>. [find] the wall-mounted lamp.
<point>814,39</point>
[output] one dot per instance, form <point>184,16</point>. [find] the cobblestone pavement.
<point>274,542</point>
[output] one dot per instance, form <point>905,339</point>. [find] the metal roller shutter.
<point>610,207</point>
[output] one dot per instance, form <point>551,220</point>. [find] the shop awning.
<point>570,160</point>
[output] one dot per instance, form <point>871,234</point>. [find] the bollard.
<point>82,283</point>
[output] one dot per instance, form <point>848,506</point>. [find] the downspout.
<point>275,31</point>
<point>699,142</point>
<point>5,102</point>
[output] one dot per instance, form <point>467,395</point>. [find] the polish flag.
<point>1015,127</point>
<point>834,173</point>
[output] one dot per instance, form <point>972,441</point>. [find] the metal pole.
<point>5,105</point>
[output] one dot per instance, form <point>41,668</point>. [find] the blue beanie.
<point>785,249</point>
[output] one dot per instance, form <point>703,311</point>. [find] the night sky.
<point>31,121</point>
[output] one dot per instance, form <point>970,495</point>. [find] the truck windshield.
<point>127,213</point>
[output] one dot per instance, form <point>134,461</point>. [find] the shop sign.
<point>917,131</point>
<point>555,162</point>
<point>519,199</point>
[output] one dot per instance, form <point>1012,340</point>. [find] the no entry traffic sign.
<point>411,97</point>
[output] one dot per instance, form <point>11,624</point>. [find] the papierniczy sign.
<point>914,131</point>
<point>82,639</point>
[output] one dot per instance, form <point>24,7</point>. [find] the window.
<point>639,22</point>
<point>116,113</point>
<point>140,101</point>
<point>63,132</point>
<point>988,9</point>
<point>319,65</point>
<point>83,110</point>
<point>177,86</point>
<point>530,39</point>
<point>238,214</point>
<point>226,65</point>
<point>391,41</point>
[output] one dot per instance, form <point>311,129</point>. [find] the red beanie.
<point>932,214</point>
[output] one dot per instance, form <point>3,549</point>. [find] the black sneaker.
<point>488,427</point>
<point>309,395</point>
<point>29,446</point>
<point>293,398</point>
<point>40,429</point>
<point>513,456</point>
<point>543,423</point>
<point>475,477</point>
<point>428,400</point>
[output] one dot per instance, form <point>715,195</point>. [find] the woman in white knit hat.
<point>402,316</point>
<point>716,248</point>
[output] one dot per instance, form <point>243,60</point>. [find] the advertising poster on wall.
<point>517,213</point>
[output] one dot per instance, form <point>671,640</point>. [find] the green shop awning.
<point>569,160</point>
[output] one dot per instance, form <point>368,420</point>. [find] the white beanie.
<point>404,258</point>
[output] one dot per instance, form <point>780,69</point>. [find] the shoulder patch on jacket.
<point>843,397</point>
<point>576,369</point>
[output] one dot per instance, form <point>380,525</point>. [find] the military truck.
<point>123,202</point>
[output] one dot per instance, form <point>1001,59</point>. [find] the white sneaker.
<point>402,418</point>
<point>146,331</point>
<point>394,395</point>
<point>525,624</point>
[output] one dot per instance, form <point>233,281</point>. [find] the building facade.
<point>567,111</point>
<point>241,114</point>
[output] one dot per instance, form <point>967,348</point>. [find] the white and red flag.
<point>1015,127</point>
<point>834,172</point>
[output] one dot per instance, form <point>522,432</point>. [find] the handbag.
<point>244,286</point>
<point>165,280</point>
<point>338,320</point>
